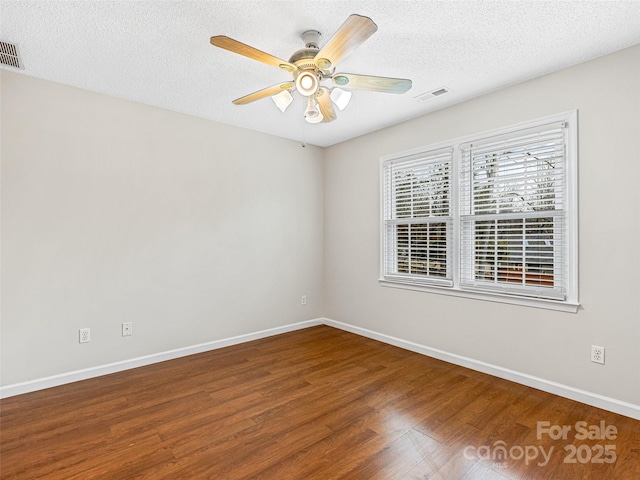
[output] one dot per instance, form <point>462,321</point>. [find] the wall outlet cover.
<point>597,354</point>
<point>84,335</point>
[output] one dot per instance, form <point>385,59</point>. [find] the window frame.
<point>570,303</point>
<point>425,162</point>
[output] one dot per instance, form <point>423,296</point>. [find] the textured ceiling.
<point>158,52</point>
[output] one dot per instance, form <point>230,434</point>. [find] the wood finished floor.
<point>318,403</point>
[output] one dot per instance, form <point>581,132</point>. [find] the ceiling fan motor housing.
<point>308,77</point>
<point>304,58</point>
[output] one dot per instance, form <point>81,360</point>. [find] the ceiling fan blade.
<point>375,84</point>
<point>354,31</point>
<point>325,105</point>
<point>265,92</point>
<point>250,52</point>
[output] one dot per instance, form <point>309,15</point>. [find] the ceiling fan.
<point>312,66</point>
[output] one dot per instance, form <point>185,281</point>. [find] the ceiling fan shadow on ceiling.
<point>313,68</point>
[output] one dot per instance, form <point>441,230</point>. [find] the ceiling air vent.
<point>424,97</point>
<point>9,55</point>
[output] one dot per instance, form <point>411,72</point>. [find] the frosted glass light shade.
<point>312,114</point>
<point>282,100</point>
<point>340,98</point>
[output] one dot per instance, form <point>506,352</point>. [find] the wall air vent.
<point>9,55</point>
<point>424,97</point>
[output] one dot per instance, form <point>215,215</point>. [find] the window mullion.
<point>453,257</point>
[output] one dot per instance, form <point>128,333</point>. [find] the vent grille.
<point>9,55</point>
<point>424,97</point>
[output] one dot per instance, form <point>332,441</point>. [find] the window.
<point>418,219</point>
<point>488,216</point>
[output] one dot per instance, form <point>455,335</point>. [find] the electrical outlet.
<point>597,354</point>
<point>84,335</point>
<point>127,329</point>
<point>303,300</point>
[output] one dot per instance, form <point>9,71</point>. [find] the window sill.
<point>561,306</point>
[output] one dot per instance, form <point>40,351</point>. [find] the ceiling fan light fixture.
<point>340,98</point>
<point>312,114</point>
<point>317,119</point>
<point>307,83</point>
<point>282,100</point>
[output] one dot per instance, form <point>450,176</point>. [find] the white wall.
<point>546,344</point>
<point>114,211</point>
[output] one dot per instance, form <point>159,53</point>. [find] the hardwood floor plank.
<point>318,403</point>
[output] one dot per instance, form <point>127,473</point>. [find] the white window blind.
<point>417,218</point>
<point>513,213</point>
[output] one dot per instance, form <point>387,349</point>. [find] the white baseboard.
<point>589,398</point>
<point>84,374</point>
